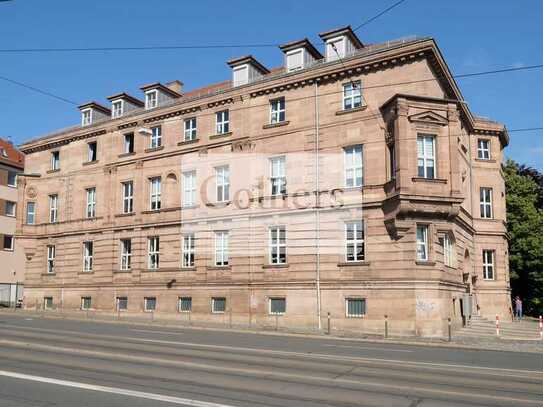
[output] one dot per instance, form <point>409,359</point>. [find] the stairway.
<point>479,327</point>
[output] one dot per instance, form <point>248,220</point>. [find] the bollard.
<point>450,333</point>
<point>541,327</point>
<point>386,326</point>
<point>328,324</point>
<point>497,325</point>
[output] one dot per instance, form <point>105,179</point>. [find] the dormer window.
<point>335,49</point>
<point>86,117</point>
<point>340,43</point>
<point>295,60</point>
<point>122,103</point>
<point>151,99</point>
<point>117,109</point>
<point>241,75</point>
<point>93,112</point>
<point>299,54</point>
<point>246,70</point>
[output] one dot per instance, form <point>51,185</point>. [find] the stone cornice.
<point>64,141</point>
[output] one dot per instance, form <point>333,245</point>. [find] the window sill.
<point>218,268</point>
<point>185,142</point>
<point>485,160</point>
<point>161,210</point>
<point>276,266</point>
<point>8,250</point>
<point>355,109</point>
<point>274,125</point>
<point>431,180</point>
<point>195,206</point>
<point>122,271</point>
<point>222,204</point>
<point>91,162</point>
<point>48,274</point>
<point>188,268</point>
<point>152,150</point>
<point>79,273</point>
<point>353,263</point>
<point>52,171</point>
<point>124,215</point>
<point>425,263</point>
<point>220,135</point>
<point>123,155</point>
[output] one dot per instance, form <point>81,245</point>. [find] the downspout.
<point>317,207</point>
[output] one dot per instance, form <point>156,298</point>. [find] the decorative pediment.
<point>429,117</point>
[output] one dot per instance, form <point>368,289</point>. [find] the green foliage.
<point>525,227</point>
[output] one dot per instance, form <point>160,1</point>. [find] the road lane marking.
<point>369,348</point>
<point>157,332</point>
<point>112,390</point>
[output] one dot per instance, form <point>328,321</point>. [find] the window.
<point>86,117</point>
<point>12,178</point>
<point>10,208</point>
<point>129,143</point>
<point>122,303</point>
<point>53,208</point>
<point>128,196</point>
<point>190,129</point>
<point>295,60</point>
<point>154,252</point>
<point>86,303</point>
<point>278,245</point>
<point>353,166</point>
<point>218,305</point>
<point>9,242</point>
<point>354,241</point>
<point>126,254</point>
<point>223,123</point>
<point>55,160</point>
<point>355,307</point>
<point>392,161</point>
<point>151,99</point>
<point>51,252</point>
<point>92,151</point>
<point>188,250</point>
<point>334,49</point>
<point>422,243</point>
<point>155,193</point>
<point>277,110</point>
<point>448,251</point>
<point>30,213</point>
<point>189,188</point>
<point>486,203</point>
<point>47,302</point>
<point>149,304</point>
<point>117,109</point>
<point>483,149</point>
<point>352,95</point>
<point>91,203</point>
<point>221,248</point>
<point>277,176</point>
<point>488,264</point>
<point>426,156</point>
<point>277,306</point>
<point>184,304</point>
<point>87,256</point>
<point>156,137</point>
<point>222,175</point>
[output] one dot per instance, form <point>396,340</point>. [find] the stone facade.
<point>407,94</point>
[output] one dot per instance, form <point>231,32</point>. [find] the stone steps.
<point>484,328</point>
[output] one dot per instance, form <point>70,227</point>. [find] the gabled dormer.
<point>93,112</point>
<point>122,103</point>
<point>340,43</point>
<point>299,54</point>
<point>246,69</point>
<point>157,94</point>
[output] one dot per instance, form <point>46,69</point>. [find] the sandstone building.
<point>354,182</point>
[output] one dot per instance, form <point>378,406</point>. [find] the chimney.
<point>176,86</point>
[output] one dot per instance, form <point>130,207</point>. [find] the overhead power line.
<point>369,20</point>
<point>38,90</point>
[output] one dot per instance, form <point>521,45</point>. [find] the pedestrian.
<point>518,307</point>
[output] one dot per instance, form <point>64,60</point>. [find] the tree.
<point>525,227</point>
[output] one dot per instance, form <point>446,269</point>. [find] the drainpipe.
<point>317,206</point>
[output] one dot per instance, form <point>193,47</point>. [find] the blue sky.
<point>473,35</point>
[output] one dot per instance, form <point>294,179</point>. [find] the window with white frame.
<point>486,202</point>
<point>151,99</point>
<point>91,203</point>
<point>218,305</point>
<point>184,304</point>
<point>149,304</point>
<point>222,122</point>
<point>47,302</point>
<point>156,137</point>
<point>278,179</point>
<point>155,193</point>
<point>122,303</point>
<point>277,306</point>
<point>353,161</point>
<point>9,242</point>
<point>189,188</point>
<point>30,213</point>
<point>88,249</point>
<point>129,143</point>
<point>221,248</point>
<point>277,111</point>
<point>117,108</point>
<point>422,243</point>
<point>483,149</point>
<point>354,241</point>
<point>190,129</point>
<point>86,303</point>
<point>11,208</point>
<point>355,307</point>
<point>92,151</point>
<point>352,95</point>
<point>448,250</point>
<point>153,244</point>
<point>335,49</point>
<point>128,196</point>
<point>188,250</point>
<point>51,253</point>
<point>86,117</point>
<point>278,245</point>
<point>222,179</point>
<point>426,156</point>
<point>126,254</point>
<point>53,208</point>
<point>55,160</point>
<point>295,60</point>
<point>488,264</point>
<point>12,179</point>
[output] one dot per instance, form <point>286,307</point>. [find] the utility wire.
<point>41,91</point>
<point>378,15</point>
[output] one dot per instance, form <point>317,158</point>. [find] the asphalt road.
<point>49,362</point>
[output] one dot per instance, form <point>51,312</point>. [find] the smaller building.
<point>12,261</point>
